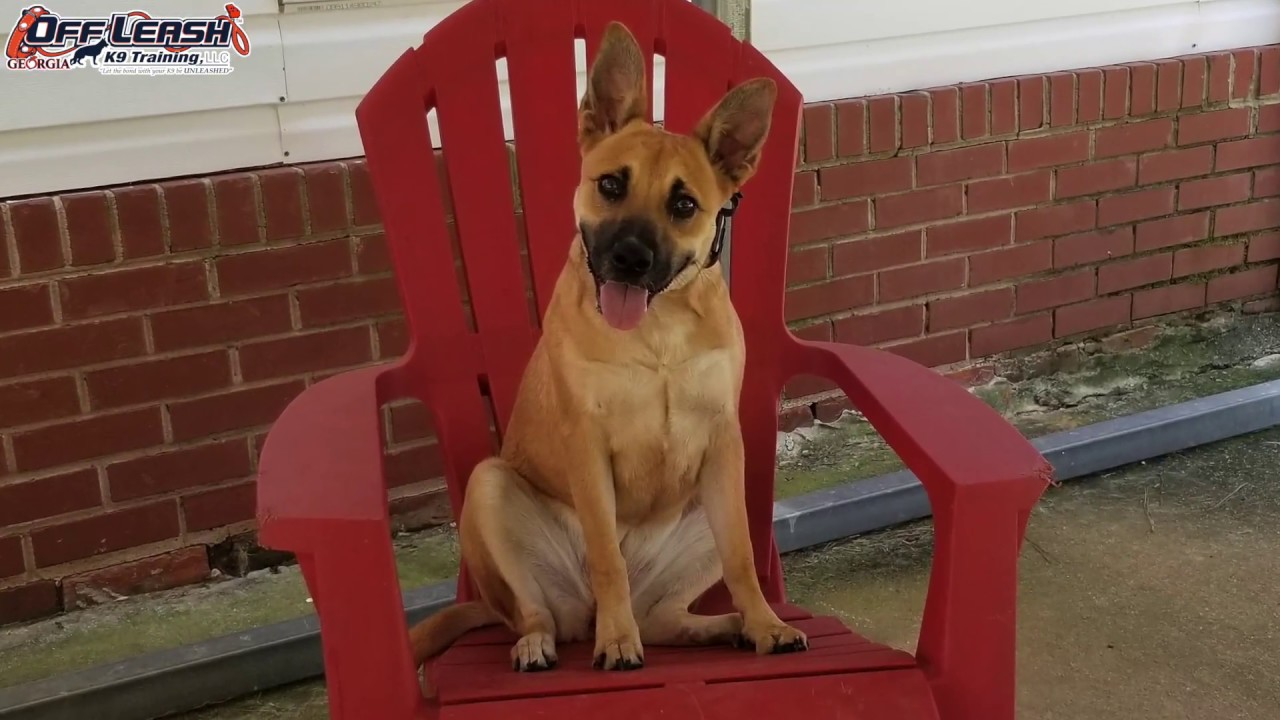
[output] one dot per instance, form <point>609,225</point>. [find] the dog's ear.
<point>735,130</point>
<point>616,89</point>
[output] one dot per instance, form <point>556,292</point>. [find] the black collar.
<point>717,244</point>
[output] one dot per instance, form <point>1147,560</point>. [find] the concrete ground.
<point>1150,591</point>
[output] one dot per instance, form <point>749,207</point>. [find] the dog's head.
<point>648,199</point>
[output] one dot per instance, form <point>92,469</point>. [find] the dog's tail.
<point>435,634</point>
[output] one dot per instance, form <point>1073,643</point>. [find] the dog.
<point>89,52</point>
<point>618,496</point>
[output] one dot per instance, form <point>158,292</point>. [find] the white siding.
<point>80,129</point>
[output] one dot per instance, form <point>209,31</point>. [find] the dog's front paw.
<point>618,648</point>
<point>534,653</point>
<point>772,637</point>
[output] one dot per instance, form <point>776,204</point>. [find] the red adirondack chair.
<point>320,492</point>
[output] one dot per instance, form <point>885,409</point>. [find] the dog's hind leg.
<point>668,574</point>
<point>522,558</point>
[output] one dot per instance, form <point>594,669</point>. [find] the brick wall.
<point>150,334</point>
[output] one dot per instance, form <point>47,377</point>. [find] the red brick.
<point>1092,315</point>
<point>971,309</point>
<point>87,439</point>
<point>794,417</point>
<point>829,297</point>
<point>1242,81</point>
<point>877,253</point>
<point>804,193</point>
<point>190,224</point>
<point>1097,177</point>
<point>412,420</point>
<point>393,338</point>
<point>5,269</point>
<point>1172,231</point>
<point>70,346</point>
<point>968,235</point>
<point>1167,299</point>
<point>158,380</point>
<point>882,113</point>
<point>804,265</point>
<point>236,202</point>
<point>1011,262</point>
<point>965,163</point>
<point>29,602</point>
<point>1175,164</point>
<point>1220,190</point>
<point>1219,77</point>
<point>1062,149</point>
<point>413,464</point>
<point>34,401</point>
<point>1004,106</point>
<point>1010,191</point>
<point>283,267</point>
<point>830,221</point>
<point>973,121</point>
<point>1269,118</point>
<point>919,206</point>
<point>282,202</point>
<point>1031,91</point>
<point>1036,295</point>
<point>851,127</point>
<point>1257,281</point>
<point>1193,72</point>
<point>300,354</point>
<point>1115,101</point>
<point>355,300</point>
<point>807,385</point>
<point>11,562</point>
<point>143,288</point>
<point>1012,335</point>
<point>1092,247</point>
<point>819,132</point>
<point>946,115</point>
<point>220,323</point>
<point>151,574</point>
<point>49,496</point>
<point>1114,277</point>
<point>141,229</point>
<point>869,177</point>
<point>364,206</point>
<point>1168,85</point>
<point>1205,258</point>
<point>326,185</point>
<point>1263,305</point>
<point>1133,138</point>
<point>237,410</point>
<point>832,409</point>
<point>919,280</point>
<point>1062,99</point>
<point>224,506</point>
<point>36,235</point>
<point>1060,219</point>
<point>1264,247</point>
<point>1089,90</point>
<point>819,331</point>
<point>1260,215</point>
<point>1248,153</point>
<point>105,533</point>
<point>1139,205</point>
<point>89,228</point>
<point>1214,125</point>
<point>1266,182</point>
<point>1142,89</point>
<point>934,350</point>
<point>1269,71</point>
<point>25,307</point>
<point>877,327</point>
<point>210,464</point>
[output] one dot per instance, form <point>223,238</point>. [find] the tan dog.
<point>618,495</point>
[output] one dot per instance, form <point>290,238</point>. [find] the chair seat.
<point>842,672</point>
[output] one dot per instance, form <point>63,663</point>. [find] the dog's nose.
<point>630,255</point>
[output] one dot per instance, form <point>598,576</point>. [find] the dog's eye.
<point>683,207</point>
<point>611,187</point>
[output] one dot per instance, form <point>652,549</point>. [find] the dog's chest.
<point>657,422</point>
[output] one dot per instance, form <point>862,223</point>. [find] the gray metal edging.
<point>217,670</point>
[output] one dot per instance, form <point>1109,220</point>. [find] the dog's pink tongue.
<point>623,305</point>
